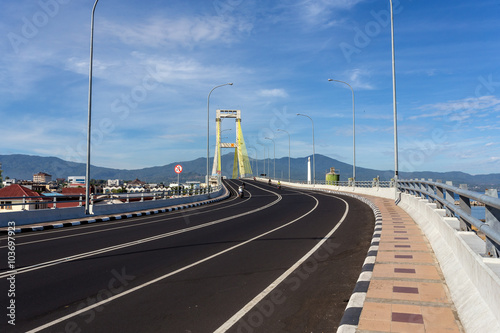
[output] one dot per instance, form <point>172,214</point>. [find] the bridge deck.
<point>407,291</point>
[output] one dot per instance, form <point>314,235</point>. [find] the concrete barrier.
<point>41,215</point>
<point>59,214</point>
<point>474,286</point>
<point>383,192</point>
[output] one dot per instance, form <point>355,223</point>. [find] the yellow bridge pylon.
<point>241,160</point>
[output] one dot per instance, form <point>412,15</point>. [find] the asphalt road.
<point>275,261</point>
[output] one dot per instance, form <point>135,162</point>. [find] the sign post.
<point>178,170</point>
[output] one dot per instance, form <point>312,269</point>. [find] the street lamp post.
<point>268,156</point>
<point>274,160</point>
<point>265,160</point>
<point>353,134</point>
<point>288,152</point>
<point>314,162</point>
<point>257,161</point>
<point>89,120</point>
<point>208,126</point>
<point>395,111</point>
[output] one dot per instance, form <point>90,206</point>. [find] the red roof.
<point>136,182</point>
<point>69,191</point>
<point>16,190</point>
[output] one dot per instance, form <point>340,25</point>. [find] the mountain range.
<point>25,166</point>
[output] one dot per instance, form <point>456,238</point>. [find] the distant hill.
<point>24,166</point>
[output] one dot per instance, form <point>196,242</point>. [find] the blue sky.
<point>155,63</point>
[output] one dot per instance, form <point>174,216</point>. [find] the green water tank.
<point>333,177</point>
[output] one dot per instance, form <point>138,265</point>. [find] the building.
<point>42,177</point>
<point>193,184</point>
<point>16,198</point>
<point>76,181</point>
<point>9,182</point>
<point>112,189</point>
<point>115,182</point>
<point>135,186</point>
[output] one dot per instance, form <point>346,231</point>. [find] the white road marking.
<point>120,225</point>
<point>59,320</point>
<point>238,315</point>
<point>132,243</point>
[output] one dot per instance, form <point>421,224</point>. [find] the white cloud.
<point>183,31</point>
<point>273,93</point>
<point>460,109</point>
<point>358,79</point>
<point>320,12</point>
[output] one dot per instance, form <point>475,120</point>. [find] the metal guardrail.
<point>43,202</point>
<point>444,195</point>
<point>365,184</point>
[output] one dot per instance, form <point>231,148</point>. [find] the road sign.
<point>178,168</point>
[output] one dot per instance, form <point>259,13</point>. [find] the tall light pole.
<point>353,133</point>
<point>265,160</point>
<point>89,120</point>
<point>274,163</point>
<point>257,161</point>
<point>395,111</point>
<point>268,157</point>
<point>208,126</point>
<point>288,152</point>
<point>314,162</point>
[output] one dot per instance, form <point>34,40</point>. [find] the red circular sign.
<point>178,168</point>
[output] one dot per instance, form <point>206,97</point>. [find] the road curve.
<point>274,261</point>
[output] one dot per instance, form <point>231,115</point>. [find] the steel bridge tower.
<point>241,160</point>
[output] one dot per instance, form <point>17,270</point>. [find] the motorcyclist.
<point>279,185</point>
<point>240,191</point>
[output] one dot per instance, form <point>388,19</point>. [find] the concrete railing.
<point>378,189</point>
<point>25,217</point>
<point>472,278</point>
<point>457,201</point>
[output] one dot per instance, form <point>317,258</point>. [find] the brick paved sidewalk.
<point>407,291</point>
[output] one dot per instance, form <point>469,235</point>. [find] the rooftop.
<point>16,190</point>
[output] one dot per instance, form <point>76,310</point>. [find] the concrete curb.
<point>58,225</point>
<point>352,312</point>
